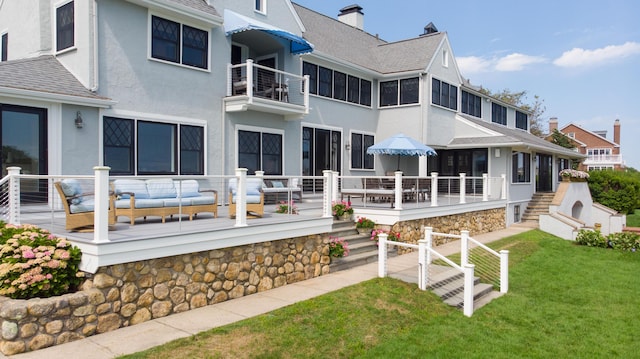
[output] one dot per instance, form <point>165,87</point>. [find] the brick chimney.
<point>352,15</point>
<point>616,132</point>
<point>553,124</point>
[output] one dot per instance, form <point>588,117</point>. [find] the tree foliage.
<point>616,189</point>
<point>519,99</point>
<point>561,139</point>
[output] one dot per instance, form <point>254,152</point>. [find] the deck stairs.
<point>538,205</point>
<point>446,282</point>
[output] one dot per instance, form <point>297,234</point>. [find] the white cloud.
<point>517,62</point>
<point>511,62</point>
<point>578,57</point>
<point>473,64</point>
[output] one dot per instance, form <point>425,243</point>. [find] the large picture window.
<point>182,44</point>
<point>521,167</point>
<point>64,26</point>
<point>444,94</point>
<point>359,145</point>
<point>137,147</point>
<point>260,151</point>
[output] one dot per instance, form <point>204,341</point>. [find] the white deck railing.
<point>480,259</point>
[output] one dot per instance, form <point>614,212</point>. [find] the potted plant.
<point>391,235</point>
<point>287,207</point>
<point>338,247</point>
<point>364,225</point>
<point>570,175</point>
<point>342,210</point>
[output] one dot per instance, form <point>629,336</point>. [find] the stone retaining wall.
<point>127,294</point>
<point>477,222</point>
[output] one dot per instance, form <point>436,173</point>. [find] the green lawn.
<point>633,220</point>
<point>565,301</point>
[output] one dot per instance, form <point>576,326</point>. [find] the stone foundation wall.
<point>477,222</point>
<point>127,294</point>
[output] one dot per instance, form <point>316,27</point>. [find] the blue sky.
<point>582,58</point>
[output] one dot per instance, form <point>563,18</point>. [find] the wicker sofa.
<point>79,205</point>
<point>162,197</point>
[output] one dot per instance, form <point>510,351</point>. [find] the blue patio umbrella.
<point>401,145</point>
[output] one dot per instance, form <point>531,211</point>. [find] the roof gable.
<point>587,136</point>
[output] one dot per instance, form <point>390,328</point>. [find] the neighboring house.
<point>601,152</point>
<point>194,87</point>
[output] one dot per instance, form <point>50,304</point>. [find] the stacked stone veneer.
<point>476,222</point>
<point>127,294</point>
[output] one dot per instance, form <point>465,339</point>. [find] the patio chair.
<point>255,197</point>
<point>79,206</point>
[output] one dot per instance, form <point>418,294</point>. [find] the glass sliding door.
<point>24,144</point>
<point>321,150</point>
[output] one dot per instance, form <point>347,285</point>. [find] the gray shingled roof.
<point>42,74</point>
<point>334,38</point>
<point>509,136</point>
<point>200,5</point>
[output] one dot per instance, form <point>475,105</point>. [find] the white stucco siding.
<point>28,25</point>
<point>79,58</point>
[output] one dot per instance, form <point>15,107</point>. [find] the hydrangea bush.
<point>35,263</point>
<point>624,241</point>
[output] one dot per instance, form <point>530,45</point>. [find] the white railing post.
<point>464,248</point>
<point>101,204</point>
<point>423,266</point>
<point>485,185</point>
<point>334,179</point>
<point>504,271</point>
<point>434,189</point>
<point>249,80</point>
<point>14,194</point>
<point>327,194</point>
<point>382,255</point>
<point>306,94</point>
<point>463,188</point>
<point>428,236</point>
<point>398,190</point>
<point>504,186</point>
<point>241,197</point>
<point>468,289</point>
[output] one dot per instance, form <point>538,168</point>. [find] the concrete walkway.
<point>159,331</point>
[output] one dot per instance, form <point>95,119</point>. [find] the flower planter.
<point>366,231</point>
<point>345,217</point>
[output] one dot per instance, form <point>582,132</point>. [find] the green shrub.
<point>625,241</point>
<point>35,263</point>
<point>591,238</point>
<point>615,189</point>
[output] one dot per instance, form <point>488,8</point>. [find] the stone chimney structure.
<point>553,124</point>
<point>352,15</point>
<point>616,132</point>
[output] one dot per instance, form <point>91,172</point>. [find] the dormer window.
<point>261,6</point>
<point>522,120</point>
<point>64,26</point>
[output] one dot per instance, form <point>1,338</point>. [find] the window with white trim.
<point>521,167</point>
<point>261,6</point>
<point>326,82</point>
<point>522,120</point>
<point>131,147</point>
<point>65,24</point>
<point>4,47</point>
<point>400,92</point>
<point>258,150</point>
<point>471,104</point>
<point>359,144</point>
<point>179,43</point>
<point>444,94</point>
<point>498,114</point>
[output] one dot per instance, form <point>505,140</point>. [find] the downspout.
<point>94,46</point>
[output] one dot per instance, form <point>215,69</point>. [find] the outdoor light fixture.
<point>347,146</point>
<point>497,152</point>
<point>78,121</point>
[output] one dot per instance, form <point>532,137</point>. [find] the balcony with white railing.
<point>259,88</point>
<point>603,160</point>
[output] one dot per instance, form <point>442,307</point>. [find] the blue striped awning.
<point>234,23</point>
